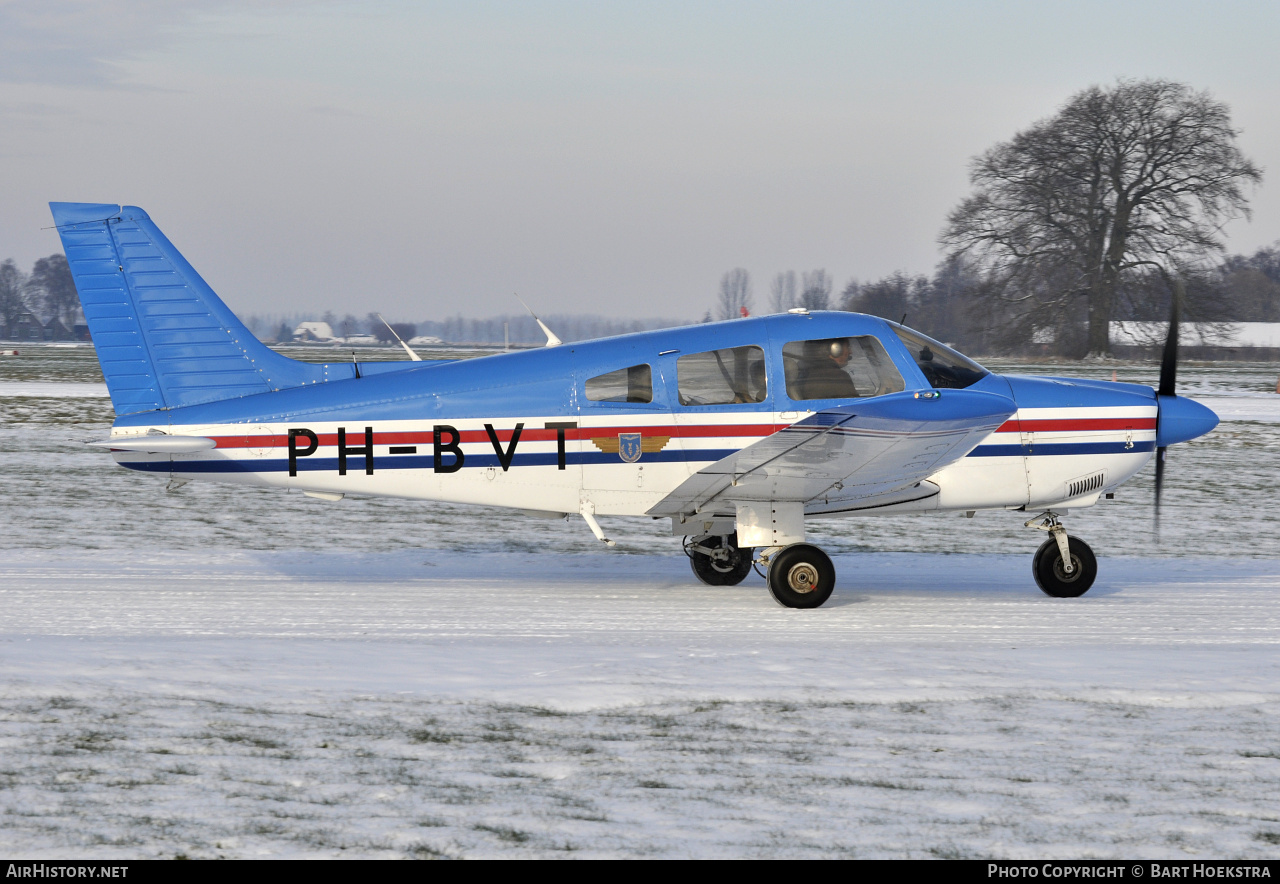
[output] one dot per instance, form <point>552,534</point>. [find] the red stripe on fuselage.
<point>1077,424</point>
<point>355,435</point>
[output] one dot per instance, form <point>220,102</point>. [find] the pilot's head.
<point>837,349</point>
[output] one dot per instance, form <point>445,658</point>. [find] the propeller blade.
<point>1160,452</point>
<point>1168,385</point>
<point>1169,359</point>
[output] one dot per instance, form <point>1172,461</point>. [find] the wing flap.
<point>850,452</point>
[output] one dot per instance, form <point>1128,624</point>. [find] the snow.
<point>49,390</point>
<point>1260,407</point>
<point>221,672</point>
<point>276,704</point>
<point>1232,334</point>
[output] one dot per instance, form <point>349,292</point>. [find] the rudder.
<point>163,337</point>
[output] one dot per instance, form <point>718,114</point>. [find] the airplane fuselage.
<point>518,430</point>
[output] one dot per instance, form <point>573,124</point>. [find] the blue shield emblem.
<point>629,447</point>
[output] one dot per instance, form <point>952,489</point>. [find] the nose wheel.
<point>1064,567</point>
<point>1051,572</point>
<point>801,576</point>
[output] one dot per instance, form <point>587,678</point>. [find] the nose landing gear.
<point>1064,567</point>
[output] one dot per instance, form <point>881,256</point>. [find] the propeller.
<point>1168,386</point>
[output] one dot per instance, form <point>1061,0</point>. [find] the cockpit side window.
<point>942,367</point>
<point>839,368</point>
<point>722,377</point>
<point>631,384</point>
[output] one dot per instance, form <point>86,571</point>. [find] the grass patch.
<point>505,833</point>
<point>256,742</point>
<point>878,784</point>
<point>427,851</point>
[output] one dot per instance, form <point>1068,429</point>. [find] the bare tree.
<point>1251,285</point>
<point>1143,174</point>
<point>849,295</point>
<point>735,294</point>
<point>51,284</point>
<point>816,294</point>
<point>782,292</point>
<point>893,297</point>
<point>12,305</point>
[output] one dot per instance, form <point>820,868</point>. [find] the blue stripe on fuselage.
<point>1053,449</point>
<point>355,463</point>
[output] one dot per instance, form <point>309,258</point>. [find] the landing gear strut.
<point>717,560</point>
<point>1064,567</point>
<point>800,576</point>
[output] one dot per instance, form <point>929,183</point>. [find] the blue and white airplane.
<point>738,432</point>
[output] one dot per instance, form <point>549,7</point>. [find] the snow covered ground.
<point>214,672</point>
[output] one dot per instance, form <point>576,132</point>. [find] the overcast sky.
<point>430,158</point>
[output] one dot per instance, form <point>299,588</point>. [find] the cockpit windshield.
<point>942,367</point>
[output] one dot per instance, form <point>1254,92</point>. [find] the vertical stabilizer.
<point>163,337</point>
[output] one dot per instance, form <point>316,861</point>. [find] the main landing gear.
<point>1064,567</point>
<point>717,560</point>
<point>799,575</point>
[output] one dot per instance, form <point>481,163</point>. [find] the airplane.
<point>738,432</point>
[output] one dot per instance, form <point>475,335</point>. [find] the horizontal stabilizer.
<point>158,444</point>
<point>847,453</point>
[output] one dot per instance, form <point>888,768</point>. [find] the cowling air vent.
<point>1086,484</point>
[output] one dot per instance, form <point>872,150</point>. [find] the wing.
<point>851,452</point>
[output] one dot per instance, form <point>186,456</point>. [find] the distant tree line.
<point>44,297</point>
<point>960,304</point>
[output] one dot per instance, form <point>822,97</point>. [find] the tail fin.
<point>163,337</point>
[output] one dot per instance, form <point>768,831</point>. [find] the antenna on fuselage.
<point>414,356</point>
<point>552,339</point>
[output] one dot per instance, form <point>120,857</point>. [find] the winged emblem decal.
<point>630,446</point>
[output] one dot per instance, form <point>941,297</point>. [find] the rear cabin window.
<point>839,368</point>
<point>942,367</point>
<point>722,377</point>
<point>632,384</point>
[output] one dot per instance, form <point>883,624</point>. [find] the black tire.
<point>722,572</point>
<point>1046,567</point>
<point>801,576</point>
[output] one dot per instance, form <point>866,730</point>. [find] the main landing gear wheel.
<point>725,566</point>
<point>1051,575</point>
<point>801,576</point>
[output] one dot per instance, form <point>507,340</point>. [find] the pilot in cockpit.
<point>822,373</point>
